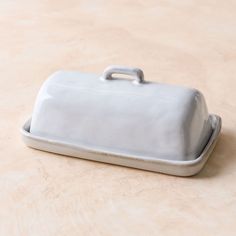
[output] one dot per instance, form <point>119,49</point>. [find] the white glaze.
<point>178,168</point>
<point>114,115</point>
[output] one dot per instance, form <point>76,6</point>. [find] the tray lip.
<point>216,126</point>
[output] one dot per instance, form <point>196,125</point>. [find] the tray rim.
<point>172,167</point>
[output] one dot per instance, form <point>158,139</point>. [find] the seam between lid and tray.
<point>216,126</point>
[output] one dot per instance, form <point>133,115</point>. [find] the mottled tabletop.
<point>190,43</point>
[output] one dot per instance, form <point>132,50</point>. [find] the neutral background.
<point>186,42</point>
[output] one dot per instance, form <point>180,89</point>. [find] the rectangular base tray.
<point>178,168</point>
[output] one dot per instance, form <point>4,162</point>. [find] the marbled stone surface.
<point>190,43</point>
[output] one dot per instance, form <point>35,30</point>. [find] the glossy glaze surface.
<point>118,116</point>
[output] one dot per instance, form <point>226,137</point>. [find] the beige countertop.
<point>190,43</point>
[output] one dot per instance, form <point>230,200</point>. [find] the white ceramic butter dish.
<point>129,122</point>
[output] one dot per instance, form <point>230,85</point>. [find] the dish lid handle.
<point>135,72</point>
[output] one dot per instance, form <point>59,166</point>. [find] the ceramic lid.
<point>120,115</point>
